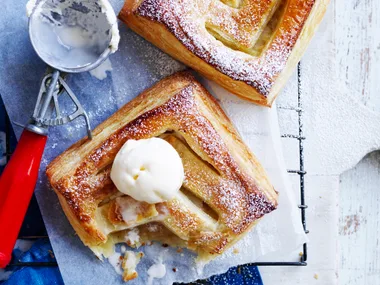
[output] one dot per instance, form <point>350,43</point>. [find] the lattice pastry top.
<point>224,193</point>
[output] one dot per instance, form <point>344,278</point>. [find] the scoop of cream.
<point>148,170</point>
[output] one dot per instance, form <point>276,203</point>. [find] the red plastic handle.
<point>16,188</point>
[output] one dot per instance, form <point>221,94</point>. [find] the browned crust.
<point>262,78</point>
<point>80,175</point>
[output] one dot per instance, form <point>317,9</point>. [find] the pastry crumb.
<point>316,276</point>
<point>129,264</point>
<point>132,238</point>
<point>235,251</point>
<point>301,253</point>
<point>174,269</point>
<point>179,250</point>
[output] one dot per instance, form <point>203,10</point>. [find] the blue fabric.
<point>247,275</point>
<point>41,251</point>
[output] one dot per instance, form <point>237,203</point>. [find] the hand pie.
<point>250,47</point>
<point>225,190</point>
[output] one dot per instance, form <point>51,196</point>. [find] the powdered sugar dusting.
<point>237,196</point>
<point>157,270</point>
<point>133,237</point>
<point>152,227</point>
<point>183,106</point>
<point>101,71</point>
<point>188,19</point>
<point>115,260</point>
<point>240,201</point>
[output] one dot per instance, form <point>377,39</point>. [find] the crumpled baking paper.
<point>136,66</point>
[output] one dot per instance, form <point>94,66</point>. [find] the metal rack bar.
<point>280,263</point>
<point>302,174</point>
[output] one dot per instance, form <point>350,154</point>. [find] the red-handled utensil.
<point>17,184</point>
<point>20,175</point>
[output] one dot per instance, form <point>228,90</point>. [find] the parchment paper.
<point>136,66</point>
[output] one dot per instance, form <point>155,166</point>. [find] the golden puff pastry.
<point>225,190</point>
<point>250,47</point>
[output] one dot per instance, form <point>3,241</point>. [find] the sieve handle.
<point>16,188</point>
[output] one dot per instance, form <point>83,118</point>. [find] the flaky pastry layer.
<point>224,193</point>
<point>250,47</point>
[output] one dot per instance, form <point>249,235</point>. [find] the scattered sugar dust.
<point>101,71</point>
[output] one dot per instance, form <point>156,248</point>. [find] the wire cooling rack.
<point>301,172</point>
<point>40,233</point>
